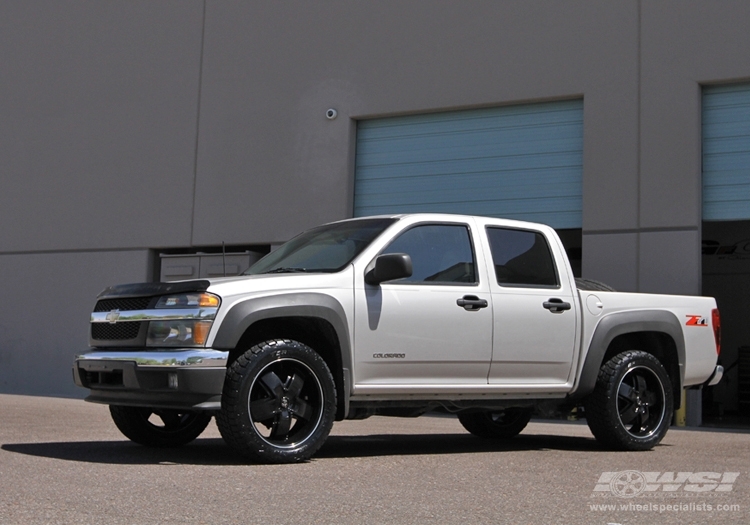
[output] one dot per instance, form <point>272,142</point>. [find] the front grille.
<point>115,332</point>
<point>130,303</point>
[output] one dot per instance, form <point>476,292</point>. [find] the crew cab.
<point>395,315</point>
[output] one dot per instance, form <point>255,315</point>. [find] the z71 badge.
<point>696,320</point>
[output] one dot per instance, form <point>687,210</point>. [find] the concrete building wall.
<point>44,317</point>
<point>98,128</point>
<point>132,127</point>
<point>682,48</point>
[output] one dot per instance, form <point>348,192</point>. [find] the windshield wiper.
<point>287,270</point>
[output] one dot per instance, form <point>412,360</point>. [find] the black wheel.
<point>631,406</point>
<point>278,404</point>
<point>496,423</point>
<point>159,428</point>
<point>593,286</point>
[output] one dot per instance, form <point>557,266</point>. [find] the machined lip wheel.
<point>285,404</point>
<point>279,402</point>
<point>631,405</point>
<point>640,402</point>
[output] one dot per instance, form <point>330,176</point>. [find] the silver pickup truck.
<point>395,315</point>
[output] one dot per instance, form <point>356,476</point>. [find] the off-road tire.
<point>278,403</point>
<point>632,403</point>
<point>494,424</point>
<point>141,425</point>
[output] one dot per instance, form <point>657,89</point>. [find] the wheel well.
<point>314,332</point>
<point>658,344</point>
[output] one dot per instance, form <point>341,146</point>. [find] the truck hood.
<point>244,285</point>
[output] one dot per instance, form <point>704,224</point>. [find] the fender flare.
<point>245,313</point>
<point>617,324</point>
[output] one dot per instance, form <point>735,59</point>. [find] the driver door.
<point>414,331</point>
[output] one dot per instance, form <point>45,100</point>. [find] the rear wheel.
<point>159,428</point>
<point>631,406</point>
<point>496,423</point>
<point>278,404</point>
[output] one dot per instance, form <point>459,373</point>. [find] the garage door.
<point>522,162</point>
<point>726,152</point>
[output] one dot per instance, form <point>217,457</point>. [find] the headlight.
<point>178,332</point>
<point>188,300</point>
<point>187,324</point>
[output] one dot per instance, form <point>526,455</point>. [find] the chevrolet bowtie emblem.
<point>113,316</point>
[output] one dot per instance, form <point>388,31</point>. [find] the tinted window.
<point>521,258</point>
<point>327,248</point>
<point>440,253</point>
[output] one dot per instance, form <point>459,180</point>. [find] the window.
<point>440,254</point>
<point>521,258</point>
<point>328,248</point>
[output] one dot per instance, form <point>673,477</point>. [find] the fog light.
<point>172,380</point>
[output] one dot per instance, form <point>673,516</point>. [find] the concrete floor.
<point>63,461</point>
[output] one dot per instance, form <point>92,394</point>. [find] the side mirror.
<point>388,267</point>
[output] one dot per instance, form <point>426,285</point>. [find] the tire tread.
<point>603,422</point>
<point>230,419</point>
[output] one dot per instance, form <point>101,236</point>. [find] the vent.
<point>132,303</point>
<point>102,379</point>
<point>114,332</point>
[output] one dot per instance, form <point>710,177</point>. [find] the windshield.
<point>327,248</point>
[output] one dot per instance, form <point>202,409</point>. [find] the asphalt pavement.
<point>63,461</point>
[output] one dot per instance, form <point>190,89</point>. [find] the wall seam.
<point>197,124</point>
<point>638,153</point>
<point>641,230</point>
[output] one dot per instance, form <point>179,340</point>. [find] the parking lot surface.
<point>63,461</point>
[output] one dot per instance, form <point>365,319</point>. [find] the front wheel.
<point>154,427</point>
<point>278,404</point>
<point>496,423</point>
<point>631,405</point>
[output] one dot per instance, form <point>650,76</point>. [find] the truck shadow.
<point>213,451</point>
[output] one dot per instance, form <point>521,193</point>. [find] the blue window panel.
<point>521,162</point>
<point>726,152</point>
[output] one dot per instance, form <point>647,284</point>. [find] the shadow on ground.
<point>213,451</point>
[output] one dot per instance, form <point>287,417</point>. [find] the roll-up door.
<point>521,162</point>
<point>726,152</point>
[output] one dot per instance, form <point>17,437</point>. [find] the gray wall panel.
<point>105,104</point>
<point>670,262</point>
<point>683,45</point>
<point>98,110</point>
<point>612,259</point>
<point>276,165</point>
<point>47,321</point>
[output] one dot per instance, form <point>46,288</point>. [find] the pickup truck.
<point>398,316</point>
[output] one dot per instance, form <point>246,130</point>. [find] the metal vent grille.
<point>114,332</point>
<point>102,379</point>
<point>132,303</point>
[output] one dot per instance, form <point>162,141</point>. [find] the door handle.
<point>556,306</point>
<point>472,302</point>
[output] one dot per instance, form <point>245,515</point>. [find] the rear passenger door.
<point>534,309</point>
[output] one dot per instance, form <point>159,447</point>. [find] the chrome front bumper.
<point>182,378</point>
